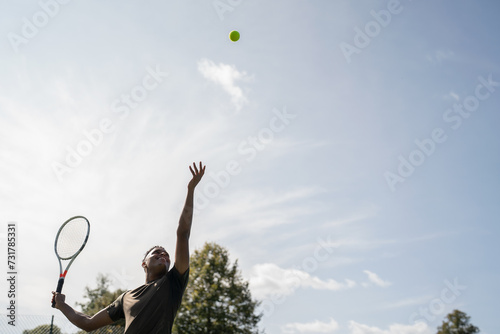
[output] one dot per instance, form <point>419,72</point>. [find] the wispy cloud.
<point>226,76</point>
<point>408,302</point>
<point>375,279</point>
<point>376,243</point>
<point>260,210</point>
<point>418,328</point>
<point>360,214</point>
<point>269,279</point>
<point>311,327</point>
<point>452,96</point>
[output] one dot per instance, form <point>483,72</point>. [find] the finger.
<point>195,168</point>
<point>191,170</point>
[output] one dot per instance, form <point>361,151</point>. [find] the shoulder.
<point>174,274</point>
<point>115,309</point>
<point>118,301</point>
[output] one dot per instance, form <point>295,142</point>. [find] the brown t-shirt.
<point>151,308</point>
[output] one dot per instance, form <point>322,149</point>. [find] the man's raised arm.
<point>184,228</point>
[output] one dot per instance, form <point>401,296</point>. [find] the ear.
<point>144,265</point>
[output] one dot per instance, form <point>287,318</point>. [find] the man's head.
<point>156,260</point>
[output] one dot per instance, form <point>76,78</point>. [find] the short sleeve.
<point>181,280</point>
<point>115,310</point>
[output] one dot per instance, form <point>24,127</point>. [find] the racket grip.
<point>59,289</point>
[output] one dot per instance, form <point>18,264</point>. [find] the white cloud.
<point>268,279</point>
<point>311,327</point>
<point>375,279</point>
<point>418,328</point>
<point>225,76</point>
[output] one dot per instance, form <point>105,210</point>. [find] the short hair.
<point>149,250</point>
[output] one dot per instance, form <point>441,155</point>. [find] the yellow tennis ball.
<point>234,35</point>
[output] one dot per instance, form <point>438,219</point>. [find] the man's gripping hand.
<point>59,298</point>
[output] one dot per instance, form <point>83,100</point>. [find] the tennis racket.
<point>70,240</point>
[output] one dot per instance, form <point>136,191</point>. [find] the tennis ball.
<point>234,35</point>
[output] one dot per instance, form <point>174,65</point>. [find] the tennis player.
<point>150,308</point>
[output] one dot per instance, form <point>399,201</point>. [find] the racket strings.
<point>71,238</point>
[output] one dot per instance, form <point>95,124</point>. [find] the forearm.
<point>78,319</point>
<point>184,228</point>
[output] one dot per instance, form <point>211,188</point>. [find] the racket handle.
<point>58,290</point>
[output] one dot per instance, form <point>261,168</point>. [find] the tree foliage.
<point>217,299</point>
<point>457,322</point>
<point>99,298</point>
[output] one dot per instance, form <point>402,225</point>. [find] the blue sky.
<point>351,150</point>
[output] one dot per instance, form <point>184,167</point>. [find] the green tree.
<point>457,322</point>
<point>217,299</point>
<point>99,298</point>
<point>43,329</point>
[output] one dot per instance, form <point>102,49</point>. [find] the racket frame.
<point>62,275</point>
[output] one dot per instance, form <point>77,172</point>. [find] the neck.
<point>150,276</point>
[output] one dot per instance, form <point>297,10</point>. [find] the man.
<point>150,308</point>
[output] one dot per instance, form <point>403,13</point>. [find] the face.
<point>157,260</point>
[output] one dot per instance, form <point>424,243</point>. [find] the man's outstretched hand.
<point>197,175</point>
